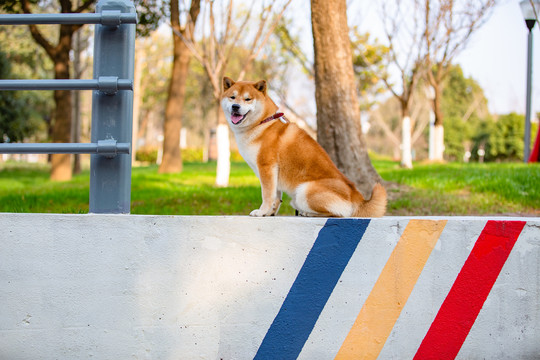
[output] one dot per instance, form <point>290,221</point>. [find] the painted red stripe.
<point>470,290</point>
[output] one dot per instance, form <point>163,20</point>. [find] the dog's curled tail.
<point>374,207</point>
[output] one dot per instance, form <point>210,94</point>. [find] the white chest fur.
<point>249,151</point>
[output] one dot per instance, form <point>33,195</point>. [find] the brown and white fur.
<point>285,158</point>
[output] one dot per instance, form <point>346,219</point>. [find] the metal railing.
<point>112,101</point>
<point>107,18</point>
<point>107,84</point>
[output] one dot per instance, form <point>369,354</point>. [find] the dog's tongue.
<point>236,118</point>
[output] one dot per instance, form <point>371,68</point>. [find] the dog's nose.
<point>236,107</point>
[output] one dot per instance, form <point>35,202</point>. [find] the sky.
<point>497,58</point>
<point>496,55</point>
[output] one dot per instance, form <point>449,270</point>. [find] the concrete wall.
<point>157,287</point>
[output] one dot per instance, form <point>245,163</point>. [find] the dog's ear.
<point>227,83</point>
<point>261,86</point>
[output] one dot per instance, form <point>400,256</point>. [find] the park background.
<point>479,172</point>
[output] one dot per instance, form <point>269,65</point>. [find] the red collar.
<point>275,116</point>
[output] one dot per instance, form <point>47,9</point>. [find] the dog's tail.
<point>374,207</point>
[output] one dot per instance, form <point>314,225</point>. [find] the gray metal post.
<point>112,115</point>
<point>527,136</point>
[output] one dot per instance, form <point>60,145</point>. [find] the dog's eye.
<point>233,97</point>
<point>248,99</point>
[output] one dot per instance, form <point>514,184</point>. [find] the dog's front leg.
<point>270,195</point>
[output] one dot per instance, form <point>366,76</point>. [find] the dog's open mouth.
<point>237,118</point>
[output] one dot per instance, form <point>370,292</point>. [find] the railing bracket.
<point>108,84</point>
<point>110,148</point>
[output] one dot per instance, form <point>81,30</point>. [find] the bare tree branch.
<point>37,35</point>
<point>216,47</point>
<point>254,53</point>
<point>420,125</point>
<point>290,45</point>
<point>449,25</point>
<point>84,6</point>
<point>239,32</point>
<point>472,107</point>
<point>375,115</point>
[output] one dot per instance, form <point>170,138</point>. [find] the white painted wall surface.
<point>144,287</point>
<point>159,287</point>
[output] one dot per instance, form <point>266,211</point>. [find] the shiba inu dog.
<point>285,158</point>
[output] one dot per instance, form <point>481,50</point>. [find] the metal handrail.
<point>107,18</point>
<point>107,84</point>
<point>108,148</point>
<point>112,109</point>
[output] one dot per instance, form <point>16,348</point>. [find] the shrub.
<point>147,155</point>
<point>192,155</point>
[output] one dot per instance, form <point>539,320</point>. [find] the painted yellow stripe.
<point>391,291</point>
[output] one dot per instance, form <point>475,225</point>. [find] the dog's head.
<point>245,102</point>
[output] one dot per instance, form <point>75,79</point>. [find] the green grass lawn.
<point>465,189</point>
<point>436,189</point>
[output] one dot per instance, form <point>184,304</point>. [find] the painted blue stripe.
<point>312,288</point>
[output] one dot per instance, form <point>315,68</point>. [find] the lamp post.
<point>530,10</point>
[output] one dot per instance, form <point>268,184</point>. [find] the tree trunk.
<point>437,90</point>
<point>61,129</point>
<point>436,135</point>
<point>438,143</point>
<point>76,120</point>
<point>406,134</point>
<point>438,138</point>
<point>138,92</point>
<point>406,144</point>
<point>338,112</point>
<point>223,168</point>
<point>431,139</point>
<point>172,156</point>
<point>59,54</point>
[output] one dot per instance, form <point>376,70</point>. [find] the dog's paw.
<point>310,214</point>
<point>259,213</point>
<point>256,212</point>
